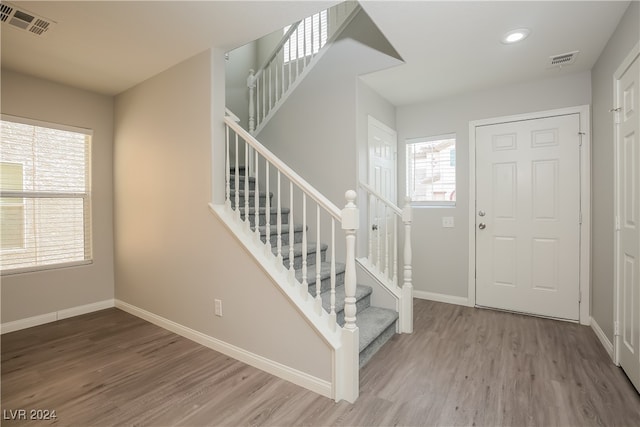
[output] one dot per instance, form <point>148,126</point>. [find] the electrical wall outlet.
<point>218,307</point>
<point>447,221</point>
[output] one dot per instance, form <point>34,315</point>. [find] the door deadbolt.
<point>481,213</point>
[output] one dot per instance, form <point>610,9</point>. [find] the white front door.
<point>382,178</point>
<point>528,216</point>
<point>628,221</point>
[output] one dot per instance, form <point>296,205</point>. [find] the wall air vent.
<point>562,59</point>
<point>23,20</point>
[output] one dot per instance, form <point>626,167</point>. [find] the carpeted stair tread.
<point>284,229</point>
<point>372,321</point>
<point>297,249</point>
<point>262,210</point>
<point>361,292</point>
<point>252,193</point>
<point>325,272</point>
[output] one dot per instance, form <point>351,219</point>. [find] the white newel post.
<point>350,226</point>
<point>350,375</point>
<point>406,319</point>
<point>251,83</point>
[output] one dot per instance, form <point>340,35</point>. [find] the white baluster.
<point>267,208</point>
<point>370,221</point>
<point>227,166</point>
<point>395,249</point>
<point>270,88</point>
<point>350,221</point>
<point>276,80</point>
<point>289,67</point>
<point>305,284</point>
<point>279,225</point>
<point>251,83</point>
<point>377,212</point>
<point>256,201</point>
<point>282,79</point>
<point>406,322</point>
<point>246,185</point>
<point>292,271</point>
<point>264,96</point>
<point>258,90</point>
<point>333,275</point>
<point>318,261</point>
<point>237,183</point>
<point>386,241</point>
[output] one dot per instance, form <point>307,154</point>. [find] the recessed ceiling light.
<point>515,36</point>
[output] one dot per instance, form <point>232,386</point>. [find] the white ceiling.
<point>109,46</point>
<point>449,47</point>
<point>454,47</point>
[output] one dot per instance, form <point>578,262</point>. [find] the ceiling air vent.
<point>23,20</point>
<point>562,59</point>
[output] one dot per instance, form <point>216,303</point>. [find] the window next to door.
<point>431,170</point>
<point>45,198</point>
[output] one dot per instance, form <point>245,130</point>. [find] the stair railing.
<point>270,174</point>
<point>291,59</point>
<point>382,234</point>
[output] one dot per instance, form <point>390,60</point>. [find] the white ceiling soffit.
<point>453,47</point>
<point>110,46</point>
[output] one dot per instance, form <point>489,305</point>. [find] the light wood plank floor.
<point>462,366</point>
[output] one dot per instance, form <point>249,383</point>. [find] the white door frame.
<point>585,198</point>
<point>633,54</point>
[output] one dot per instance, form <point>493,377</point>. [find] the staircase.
<point>290,229</point>
<point>376,324</point>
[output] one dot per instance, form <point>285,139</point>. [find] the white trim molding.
<point>585,198</point>
<point>41,319</point>
<point>287,373</point>
<point>608,345</point>
<point>449,299</point>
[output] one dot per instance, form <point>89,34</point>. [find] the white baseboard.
<point>608,345</point>
<point>41,319</point>
<point>449,299</point>
<point>287,373</point>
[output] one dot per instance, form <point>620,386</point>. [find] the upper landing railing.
<point>291,59</point>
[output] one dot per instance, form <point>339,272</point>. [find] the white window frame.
<point>408,169</point>
<point>85,196</point>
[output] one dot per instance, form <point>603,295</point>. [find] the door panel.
<point>528,241</point>
<point>627,212</point>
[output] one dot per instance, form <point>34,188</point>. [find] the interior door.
<point>528,216</point>
<point>628,251</point>
<point>382,177</point>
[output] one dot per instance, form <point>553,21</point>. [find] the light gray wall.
<point>602,266</point>
<point>31,294</point>
<point>237,67</point>
<point>440,255</point>
<point>173,256</point>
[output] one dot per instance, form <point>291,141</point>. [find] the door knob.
<point>482,226</point>
<point>374,227</point>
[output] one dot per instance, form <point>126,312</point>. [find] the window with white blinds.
<point>45,197</point>
<point>308,39</point>
<point>431,170</point>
